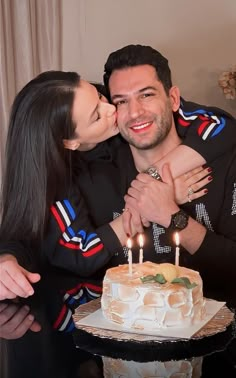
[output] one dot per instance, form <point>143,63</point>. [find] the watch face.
<point>180,220</point>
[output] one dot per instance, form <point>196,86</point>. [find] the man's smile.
<point>141,126</point>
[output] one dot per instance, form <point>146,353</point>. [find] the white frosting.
<point>133,304</point>
<point>170,369</point>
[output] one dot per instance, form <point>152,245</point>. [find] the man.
<point>145,118</point>
<point>139,82</point>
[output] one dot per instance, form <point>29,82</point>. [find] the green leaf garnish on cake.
<point>159,278</point>
<point>185,282</point>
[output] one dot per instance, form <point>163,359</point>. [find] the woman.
<point>52,115</point>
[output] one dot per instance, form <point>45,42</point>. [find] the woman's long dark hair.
<point>36,167</point>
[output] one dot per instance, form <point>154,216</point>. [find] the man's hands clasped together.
<point>152,199</point>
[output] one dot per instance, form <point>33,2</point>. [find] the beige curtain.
<point>30,42</point>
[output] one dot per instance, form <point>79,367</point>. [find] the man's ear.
<point>71,144</point>
<point>174,94</point>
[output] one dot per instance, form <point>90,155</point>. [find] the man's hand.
<point>15,280</point>
<point>16,320</point>
<point>152,199</point>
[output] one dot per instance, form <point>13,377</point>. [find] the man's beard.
<point>163,126</point>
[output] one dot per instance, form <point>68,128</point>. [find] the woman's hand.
<point>15,280</point>
<point>190,185</point>
<point>16,320</point>
<point>133,223</point>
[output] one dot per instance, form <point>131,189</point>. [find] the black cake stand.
<point>214,336</point>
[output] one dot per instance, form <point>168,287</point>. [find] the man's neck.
<point>144,159</point>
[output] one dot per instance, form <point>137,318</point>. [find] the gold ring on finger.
<point>190,191</point>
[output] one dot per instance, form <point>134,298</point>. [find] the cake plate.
<point>214,336</point>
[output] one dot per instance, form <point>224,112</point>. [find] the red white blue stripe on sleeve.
<point>82,293</point>
<point>88,243</point>
<point>64,321</point>
<point>210,125</point>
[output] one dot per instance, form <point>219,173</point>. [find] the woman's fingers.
<point>126,218</point>
<point>3,306</point>
<point>132,222</point>
<point>199,181</point>
<point>14,279</point>
<point>145,222</point>
<point>7,317</point>
<point>35,326</point>
<point>200,184</point>
<point>15,321</point>
<point>5,293</point>
<point>193,172</point>
<point>192,185</point>
<point>195,195</point>
<point>17,284</point>
<point>197,173</point>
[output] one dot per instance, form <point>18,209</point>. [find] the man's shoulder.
<point>190,107</point>
<point>226,162</point>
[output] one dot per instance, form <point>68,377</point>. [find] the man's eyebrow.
<point>147,89</point>
<point>118,96</point>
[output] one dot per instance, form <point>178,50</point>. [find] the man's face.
<point>144,110</point>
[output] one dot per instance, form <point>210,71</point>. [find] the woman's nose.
<point>111,109</point>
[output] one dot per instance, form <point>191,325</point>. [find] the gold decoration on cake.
<point>169,271</point>
<point>166,272</point>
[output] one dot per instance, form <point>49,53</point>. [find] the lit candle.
<point>141,243</point>
<point>129,246</point>
<point>177,249</point>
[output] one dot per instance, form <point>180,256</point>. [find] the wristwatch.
<point>152,171</point>
<point>179,220</point>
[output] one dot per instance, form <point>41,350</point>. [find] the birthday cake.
<point>153,296</point>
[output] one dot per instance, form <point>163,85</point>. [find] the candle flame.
<point>141,240</point>
<point>177,238</point>
<point>129,243</point>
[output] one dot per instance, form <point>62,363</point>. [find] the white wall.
<point>198,38</point>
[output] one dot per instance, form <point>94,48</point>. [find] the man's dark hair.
<point>100,88</point>
<point>136,55</point>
